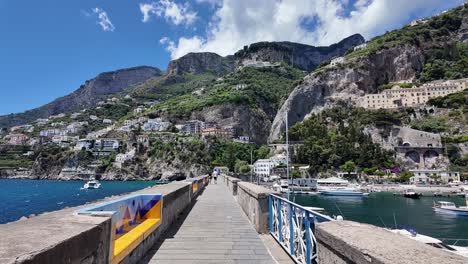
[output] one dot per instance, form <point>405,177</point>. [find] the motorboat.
<point>462,251</point>
<point>410,193</point>
<point>451,208</point>
<point>92,184</point>
<point>343,192</point>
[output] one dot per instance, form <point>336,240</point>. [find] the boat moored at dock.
<point>344,192</point>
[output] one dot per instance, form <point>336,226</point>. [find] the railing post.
<point>280,224</point>
<point>291,230</point>
<point>270,217</point>
<point>308,242</point>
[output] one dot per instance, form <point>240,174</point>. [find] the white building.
<point>429,176</point>
<point>85,144</point>
<point>131,122</point>
<point>121,158</point>
<point>107,121</point>
<point>264,167</point>
<point>106,144</point>
<point>156,125</point>
<point>51,133</point>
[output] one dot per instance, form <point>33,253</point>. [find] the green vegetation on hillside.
<point>166,87</point>
<point>262,85</point>
<point>213,152</point>
<point>335,137</point>
<point>430,30</point>
<point>455,101</point>
<point>446,63</point>
<point>11,157</point>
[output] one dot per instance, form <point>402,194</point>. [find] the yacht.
<point>344,192</point>
<point>462,251</point>
<point>92,184</point>
<point>451,208</point>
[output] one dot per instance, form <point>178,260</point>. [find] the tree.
<point>348,167</point>
<point>405,176</point>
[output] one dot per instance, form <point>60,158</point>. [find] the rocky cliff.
<point>304,57</point>
<point>87,95</point>
<point>196,63</point>
<point>354,78</point>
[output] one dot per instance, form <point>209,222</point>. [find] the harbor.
<point>389,211</point>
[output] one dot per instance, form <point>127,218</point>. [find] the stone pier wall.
<point>65,237</point>
<point>344,242</point>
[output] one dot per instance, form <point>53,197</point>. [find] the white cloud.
<point>177,14</point>
<point>236,23</point>
<point>103,19</point>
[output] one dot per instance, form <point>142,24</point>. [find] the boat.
<point>410,193</point>
<point>343,192</point>
<point>451,208</point>
<point>92,184</point>
<point>462,251</point>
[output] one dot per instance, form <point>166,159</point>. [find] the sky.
<point>48,48</point>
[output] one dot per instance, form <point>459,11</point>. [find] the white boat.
<point>451,208</point>
<point>343,192</point>
<point>462,251</point>
<point>92,184</point>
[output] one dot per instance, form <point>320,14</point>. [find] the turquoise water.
<point>384,209</point>
<point>25,197</point>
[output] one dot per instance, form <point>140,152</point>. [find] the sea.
<point>26,197</point>
<point>390,211</point>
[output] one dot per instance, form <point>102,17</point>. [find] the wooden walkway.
<point>215,230</point>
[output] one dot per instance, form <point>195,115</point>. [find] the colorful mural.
<point>133,218</point>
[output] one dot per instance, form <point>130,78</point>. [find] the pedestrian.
<point>215,175</point>
<point>210,177</point>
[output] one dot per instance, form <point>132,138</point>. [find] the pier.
<point>196,222</point>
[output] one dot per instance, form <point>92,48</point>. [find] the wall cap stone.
<point>257,191</point>
<point>364,243</point>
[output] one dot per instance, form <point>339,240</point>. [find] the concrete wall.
<point>64,237</point>
<point>231,183</point>
<point>253,199</point>
<point>351,242</point>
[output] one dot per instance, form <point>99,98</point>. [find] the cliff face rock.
<point>304,57</point>
<point>363,74</point>
<point>87,95</point>
<point>196,63</point>
<point>245,121</point>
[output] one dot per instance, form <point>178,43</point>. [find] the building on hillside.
<point>139,109</point>
<point>106,144</point>
<point>131,122</point>
<point>193,127</point>
<point>107,121</point>
<point>337,61</point>
<point>93,117</point>
<point>121,158</point>
<point>156,125</point>
<point>360,47</point>
<point>17,139</point>
<point>42,121</point>
<point>431,176</point>
<point>264,167</point>
<point>83,144</point>
<point>397,97</point>
<point>242,139</point>
<point>143,139</point>
<point>227,132</point>
<point>51,132</point>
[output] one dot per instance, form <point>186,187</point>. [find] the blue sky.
<point>49,48</point>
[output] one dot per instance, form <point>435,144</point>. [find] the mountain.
<point>302,56</point>
<point>197,63</point>
<point>430,49</point>
<point>91,92</point>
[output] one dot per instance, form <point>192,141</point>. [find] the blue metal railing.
<point>293,226</point>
